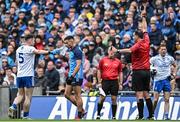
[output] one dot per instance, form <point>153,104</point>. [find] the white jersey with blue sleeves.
<point>25,59</point>
<point>162,66</point>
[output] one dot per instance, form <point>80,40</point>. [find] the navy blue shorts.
<point>76,82</point>
<point>162,85</point>
<point>25,82</point>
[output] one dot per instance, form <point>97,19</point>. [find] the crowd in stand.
<point>95,24</point>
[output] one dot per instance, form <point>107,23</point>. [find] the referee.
<point>109,79</point>
<point>141,69</point>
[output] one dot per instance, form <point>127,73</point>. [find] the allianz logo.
<point>127,109</point>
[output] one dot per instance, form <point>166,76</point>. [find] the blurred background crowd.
<point>95,24</point>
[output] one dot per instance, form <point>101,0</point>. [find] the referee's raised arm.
<point>144,24</point>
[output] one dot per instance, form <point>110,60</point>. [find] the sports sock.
<point>79,114</point>
<point>149,106</point>
<point>100,105</point>
<point>140,105</point>
<point>166,115</point>
<point>14,106</point>
<point>25,114</point>
<point>114,108</point>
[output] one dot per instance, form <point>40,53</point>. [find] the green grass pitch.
<point>88,120</point>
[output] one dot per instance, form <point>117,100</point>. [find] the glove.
<point>69,80</point>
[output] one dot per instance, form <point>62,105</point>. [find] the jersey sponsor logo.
<point>60,108</point>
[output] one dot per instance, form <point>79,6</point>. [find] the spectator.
<point>14,69</point>
<point>41,63</point>
<point>11,55</point>
<point>67,3</point>
<point>27,5</point>
<point>46,58</point>
<point>127,30</point>
<point>53,76</point>
<point>86,65</point>
<point>169,35</point>
<point>112,41</point>
<point>60,50</point>
<point>99,54</point>
<point>4,63</point>
<point>34,12</point>
<point>41,79</point>
<point>31,26</point>
<point>62,78</point>
<point>91,51</point>
<point>155,36</point>
<point>98,42</point>
<point>60,11</point>
<point>10,78</point>
<point>177,57</point>
<point>127,76</point>
<point>126,42</point>
<point>2,49</point>
<point>39,44</point>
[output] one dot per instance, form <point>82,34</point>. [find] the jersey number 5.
<point>21,59</point>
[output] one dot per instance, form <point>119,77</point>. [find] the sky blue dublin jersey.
<point>76,54</point>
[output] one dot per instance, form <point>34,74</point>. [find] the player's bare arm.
<point>78,62</point>
<point>40,52</point>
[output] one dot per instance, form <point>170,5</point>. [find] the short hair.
<point>8,68</point>
<point>69,37</point>
<point>139,33</point>
<point>162,45</point>
<point>27,37</point>
<point>38,36</point>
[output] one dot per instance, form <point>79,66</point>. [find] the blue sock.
<point>25,114</point>
<point>166,115</point>
<point>14,106</point>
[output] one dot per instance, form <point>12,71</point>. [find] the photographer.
<point>162,76</point>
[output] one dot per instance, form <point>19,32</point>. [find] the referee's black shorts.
<point>110,87</point>
<point>141,80</point>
